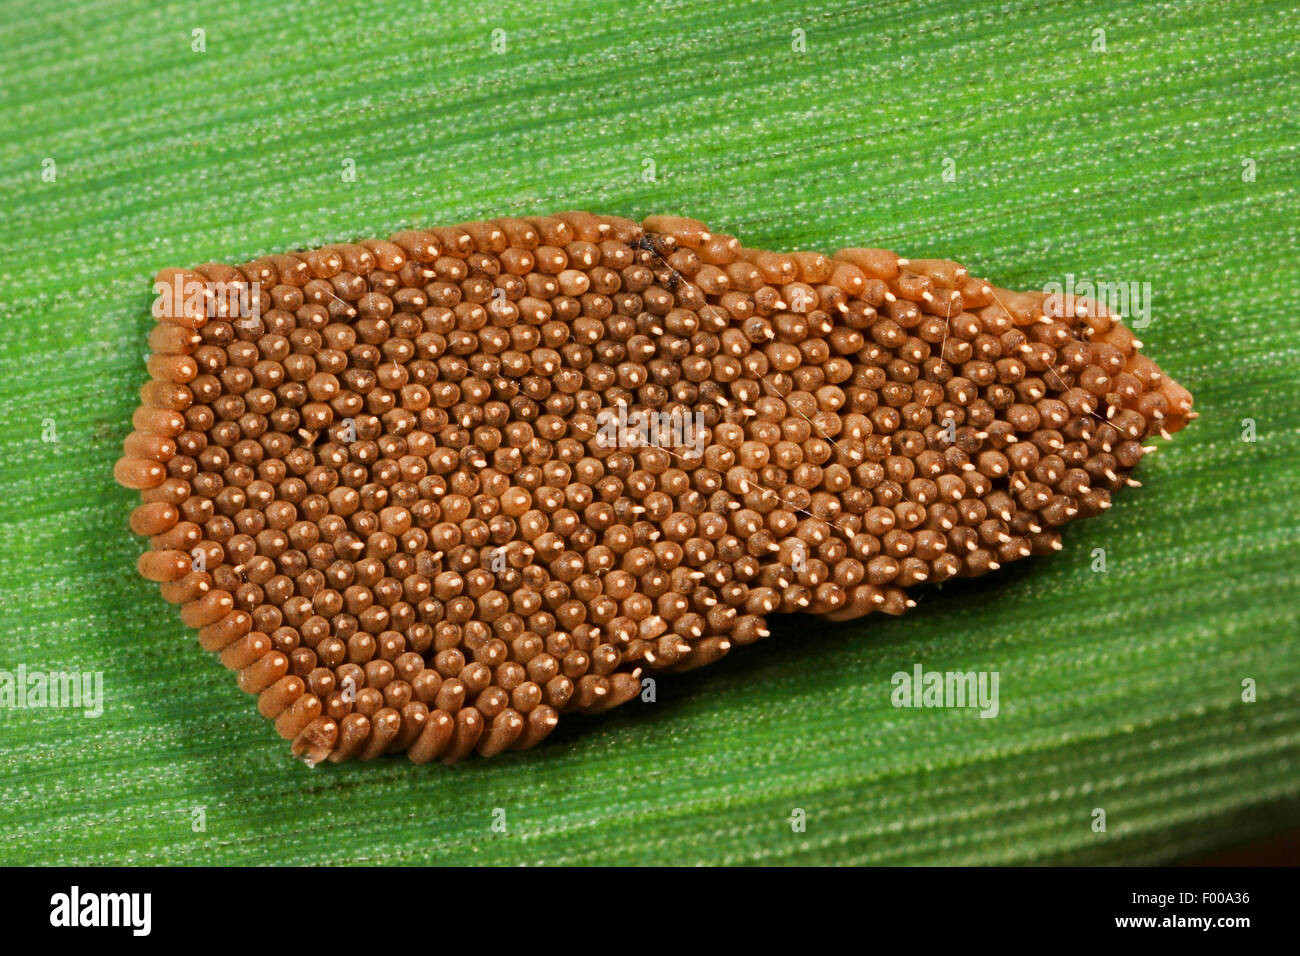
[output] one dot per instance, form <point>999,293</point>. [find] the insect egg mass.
<point>426,494</point>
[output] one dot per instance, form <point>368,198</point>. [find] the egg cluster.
<point>377,477</point>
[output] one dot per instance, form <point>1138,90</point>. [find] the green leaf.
<point>1119,690</point>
